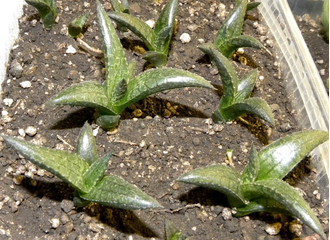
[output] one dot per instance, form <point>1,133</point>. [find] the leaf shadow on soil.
<point>204,196</point>
<point>150,106</point>
<point>125,221</point>
<point>208,197</point>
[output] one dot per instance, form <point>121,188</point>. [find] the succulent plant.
<point>84,170</point>
<point>260,187</point>
<point>229,38</point>
<point>121,89</point>
<point>157,40</point>
<point>235,100</point>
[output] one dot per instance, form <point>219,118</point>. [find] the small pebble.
<point>18,179</point>
<point>192,27</point>
<point>71,50</point>
<point>269,43</point>
<point>185,38</point>
<point>295,227</point>
<point>240,51</point>
<point>201,40</point>
<point>142,144</point>
<point>21,132</point>
<point>226,214</point>
<point>273,229</point>
<point>55,222</point>
<point>31,131</point>
<point>67,205</point>
<point>18,197</point>
<point>322,72</point>
<point>25,84</point>
<point>218,127</point>
<point>68,227</point>
<point>8,101</point>
<point>16,69</point>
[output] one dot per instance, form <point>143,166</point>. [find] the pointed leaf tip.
<point>280,157</point>
<point>86,146</point>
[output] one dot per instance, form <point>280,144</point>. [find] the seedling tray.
<point>302,80</point>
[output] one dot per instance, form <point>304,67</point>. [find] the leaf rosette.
<point>121,89</point>
<point>260,187</point>
<point>84,170</point>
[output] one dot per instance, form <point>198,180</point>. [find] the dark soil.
<point>174,134</point>
<point>316,42</point>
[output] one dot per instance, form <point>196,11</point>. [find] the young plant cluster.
<point>259,188</point>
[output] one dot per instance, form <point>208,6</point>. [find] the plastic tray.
<point>9,32</point>
<point>303,82</point>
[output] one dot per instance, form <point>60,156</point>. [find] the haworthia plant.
<point>84,170</point>
<point>157,40</point>
<point>121,89</point>
<point>260,187</point>
<point>47,11</point>
<point>235,100</point>
<point>77,25</point>
<point>229,38</point>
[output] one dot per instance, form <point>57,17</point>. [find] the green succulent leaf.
<point>69,167</point>
<point>120,90</point>
<point>107,121</point>
<point>115,59</point>
<point>232,27</point>
<point>167,16</point>
<point>47,11</point>
<point>254,106</point>
<point>120,7</point>
<point>157,80</point>
<point>115,192</point>
<point>172,232</point>
<point>252,5</point>
<point>227,72</point>
<point>86,146</point>
<point>261,205</point>
<point>138,27</point>
<point>220,178</point>
<point>252,169</point>
<point>288,197</point>
<point>78,201</point>
<point>162,39</point>
<point>229,46</point>
<point>246,85</point>
<point>280,157</point>
<point>77,25</point>
<point>131,70</point>
<point>155,58</point>
<point>96,171</point>
<point>85,94</point>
